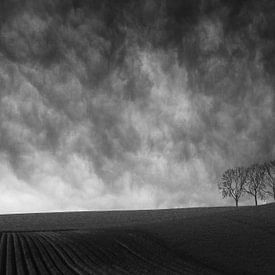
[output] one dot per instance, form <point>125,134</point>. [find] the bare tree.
<point>270,177</point>
<point>255,184</point>
<point>232,183</point>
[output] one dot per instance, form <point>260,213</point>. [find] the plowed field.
<point>175,241</point>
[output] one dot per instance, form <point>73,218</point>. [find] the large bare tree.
<point>255,184</point>
<point>270,177</point>
<point>232,183</point>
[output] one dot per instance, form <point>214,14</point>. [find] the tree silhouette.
<point>270,177</point>
<point>255,184</point>
<point>232,183</point>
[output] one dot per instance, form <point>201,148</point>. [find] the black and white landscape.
<point>223,240</point>
<point>112,107</point>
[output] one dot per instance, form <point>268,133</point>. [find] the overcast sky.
<point>131,104</point>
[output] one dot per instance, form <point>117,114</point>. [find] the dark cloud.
<point>134,100</point>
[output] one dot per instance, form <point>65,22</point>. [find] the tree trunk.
<point>274,192</point>
<point>237,203</point>
<point>256,202</point>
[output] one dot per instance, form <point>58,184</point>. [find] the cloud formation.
<point>105,108</point>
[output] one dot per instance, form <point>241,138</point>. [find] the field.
<point>221,240</point>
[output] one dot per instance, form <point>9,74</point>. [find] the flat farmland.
<point>222,240</point>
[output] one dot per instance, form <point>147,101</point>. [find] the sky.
<point>132,104</point>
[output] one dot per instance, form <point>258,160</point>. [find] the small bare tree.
<point>232,183</point>
<point>255,184</point>
<point>270,177</point>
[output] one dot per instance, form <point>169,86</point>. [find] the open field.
<point>221,240</point>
